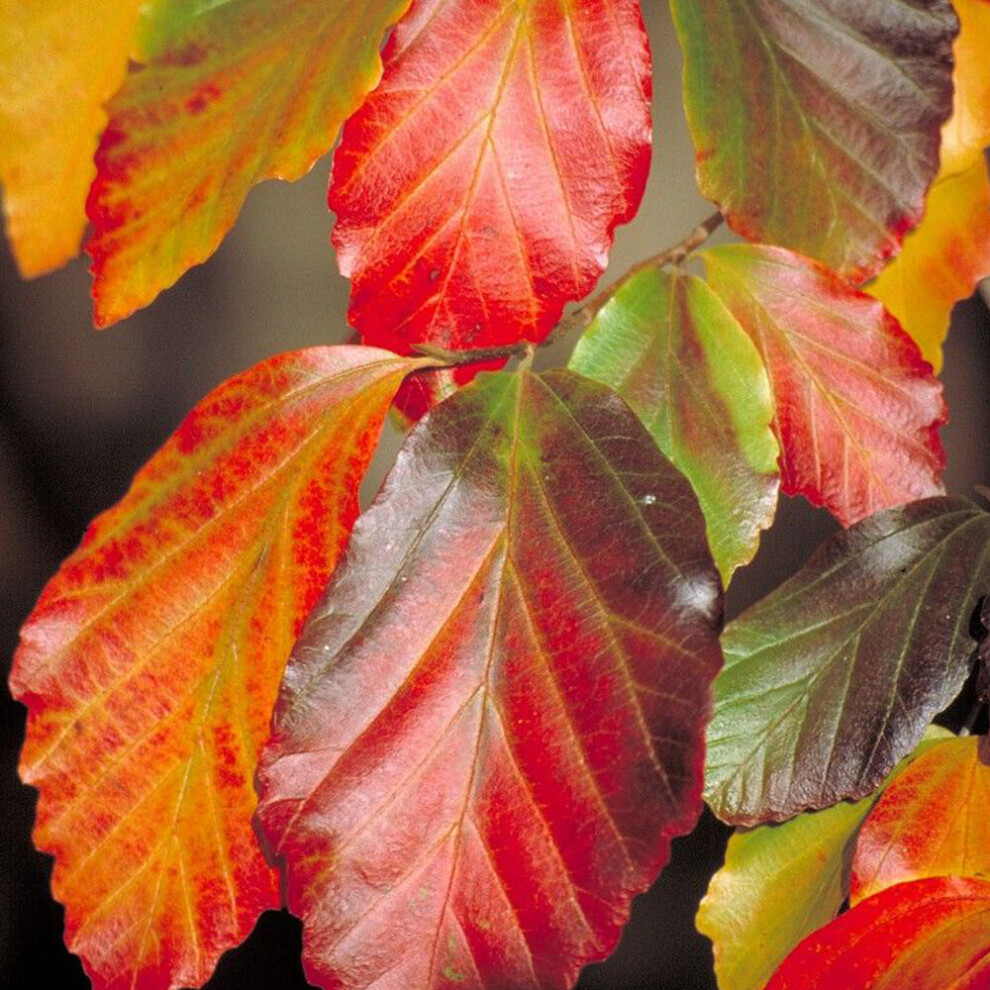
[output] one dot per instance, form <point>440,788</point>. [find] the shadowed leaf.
<point>833,677</point>
<point>151,662</point>
<point>816,122</point>
<point>678,357</point>
<point>492,725</point>
<point>857,408</point>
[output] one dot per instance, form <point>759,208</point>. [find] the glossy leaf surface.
<point>59,62</point>
<point>677,356</point>
<point>833,677</point>
<point>857,408</point>
<point>477,189</point>
<point>782,882</point>
<point>493,723</point>
<point>915,936</point>
<point>230,94</point>
<point>151,662</point>
<point>816,124</point>
<point>934,820</point>
<point>942,260</point>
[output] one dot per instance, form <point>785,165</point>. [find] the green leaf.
<point>816,125</point>
<point>782,882</point>
<point>671,349</point>
<point>833,677</point>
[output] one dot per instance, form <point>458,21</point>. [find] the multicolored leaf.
<point>672,350</point>
<point>934,820</point>
<point>477,189</point>
<point>833,677</point>
<point>231,93</point>
<point>942,260</point>
<point>782,882</point>
<point>816,125</point>
<point>857,407</point>
<point>920,935</point>
<point>60,61</point>
<point>151,662</point>
<point>493,723</point>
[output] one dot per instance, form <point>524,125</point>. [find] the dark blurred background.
<point>80,411</point>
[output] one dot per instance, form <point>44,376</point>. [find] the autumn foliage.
<point>456,733</point>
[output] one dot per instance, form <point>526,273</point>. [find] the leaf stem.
<point>584,314</point>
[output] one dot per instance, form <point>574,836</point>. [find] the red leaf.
<point>150,665</point>
<point>857,407</point>
<point>933,820</point>
<point>478,187</point>
<point>494,722</point>
<point>926,935</point>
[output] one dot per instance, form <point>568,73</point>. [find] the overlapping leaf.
<point>857,408</point>
<point>929,933</point>
<point>934,820</point>
<point>59,62</point>
<point>832,678</point>
<point>151,662</point>
<point>950,251</point>
<point>477,189</point>
<point>231,93</point>
<point>780,883</point>
<point>694,378</point>
<point>493,723</point>
<point>816,125</point>
<point>942,260</point>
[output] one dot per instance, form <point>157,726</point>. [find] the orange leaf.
<point>930,934</point>
<point>60,60</point>
<point>942,260</point>
<point>150,664</point>
<point>478,187</point>
<point>933,820</point>
<point>967,133</point>
<point>231,95</point>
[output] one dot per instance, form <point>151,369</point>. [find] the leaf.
<point>968,131</point>
<point>493,723</point>
<point>151,662</point>
<point>685,366</point>
<point>832,678</point>
<point>477,189</point>
<point>983,676</point>
<point>857,408</point>
<point>231,94</point>
<point>942,260</point>
<point>59,62</point>
<point>930,933</point>
<point>931,821</point>
<point>782,882</point>
<point>816,125</point>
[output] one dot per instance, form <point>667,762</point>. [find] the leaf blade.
<point>494,633</point>
<point>816,127</point>
<point>827,683</point>
<point>229,96</point>
<point>477,190</point>
<point>857,408</point>
<point>152,659</point>
<point>689,371</point>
